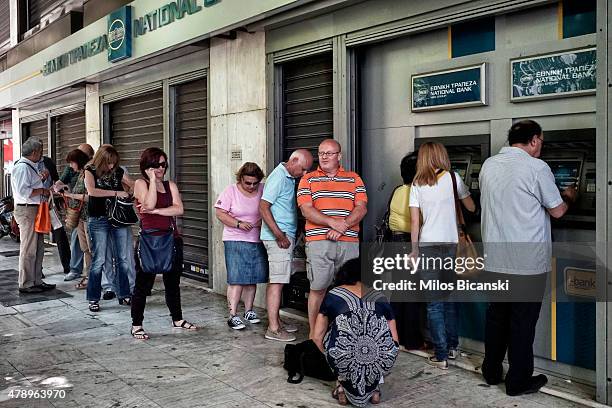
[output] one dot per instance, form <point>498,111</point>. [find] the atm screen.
<point>460,168</point>
<point>566,172</point>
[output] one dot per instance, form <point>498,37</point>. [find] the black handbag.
<point>383,231</point>
<point>120,212</point>
<point>156,252</point>
<point>305,359</point>
<point>160,253</point>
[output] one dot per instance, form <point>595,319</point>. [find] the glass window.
<point>473,37</point>
<point>579,17</point>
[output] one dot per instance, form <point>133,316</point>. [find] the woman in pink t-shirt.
<point>246,260</point>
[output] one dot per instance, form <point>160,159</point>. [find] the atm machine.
<point>565,336</point>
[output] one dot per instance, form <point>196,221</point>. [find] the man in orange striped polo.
<point>333,201</point>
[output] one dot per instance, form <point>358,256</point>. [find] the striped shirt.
<point>333,196</point>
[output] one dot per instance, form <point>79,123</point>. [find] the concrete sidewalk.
<point>90,360</point>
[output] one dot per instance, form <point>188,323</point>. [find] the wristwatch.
<point>238,224</point>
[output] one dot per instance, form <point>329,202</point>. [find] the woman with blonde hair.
<point>103,181</point>
<point>246,259</point>
<point>433,199</point>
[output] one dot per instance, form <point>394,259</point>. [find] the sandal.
<point>82,284</point>
<point>125,301</point>
<point>338,393</point>
<point>139,334</point>
<point>185,325</point>
<point>375,399</point>
<point>94,307</point>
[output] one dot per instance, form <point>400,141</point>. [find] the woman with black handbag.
<point>159,245</point>
<point>103,181</point>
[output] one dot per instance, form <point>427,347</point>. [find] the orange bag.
<point>42,224</point>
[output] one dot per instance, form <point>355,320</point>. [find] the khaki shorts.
<point>279,261</point>
<point>324,258</point>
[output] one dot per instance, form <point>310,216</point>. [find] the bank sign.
<point>455,88</point>
<point>122,28</point>
<point>120,34</point>
<point>568,73</point>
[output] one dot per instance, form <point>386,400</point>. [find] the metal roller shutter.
<point>308,103</point>
<point>307,119</point>
<point>39,129</point>
<point>69,134</point>
<point>5,24</point>
<point>37,9</point>
<point>191,170</point>
<point>136,123</point>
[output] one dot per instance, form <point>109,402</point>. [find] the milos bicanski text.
<point>410,264</point>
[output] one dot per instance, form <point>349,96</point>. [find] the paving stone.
<point>60,345</point>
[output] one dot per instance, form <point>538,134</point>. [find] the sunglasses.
<point>163,165</point>
<point>253,184</point>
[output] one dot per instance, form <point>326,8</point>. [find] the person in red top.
<point>158,201</point>
<point>334,202</point>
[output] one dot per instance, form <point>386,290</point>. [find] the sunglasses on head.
<point>163,165</point>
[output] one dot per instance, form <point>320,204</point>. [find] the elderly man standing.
<point>279,212</point>
<point>333,201</point>
<point>28,191</point>
<point>518,197</point>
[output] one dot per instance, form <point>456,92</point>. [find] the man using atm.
<point>518,197</point>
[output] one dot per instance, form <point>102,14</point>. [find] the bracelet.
<point>238,224</point>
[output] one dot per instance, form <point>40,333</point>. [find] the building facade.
<point>220,82</point>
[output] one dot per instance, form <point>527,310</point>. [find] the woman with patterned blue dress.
<point>356,331</point>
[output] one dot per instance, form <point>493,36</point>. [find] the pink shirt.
<point>242,208</point>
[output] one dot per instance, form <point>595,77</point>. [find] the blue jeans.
<point>76,255</point>
<point>109,273</point>
<point>102,234</point>
<point>443,326</point>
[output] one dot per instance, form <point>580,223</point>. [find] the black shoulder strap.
<point>27,164</point>
<point>169,190</point>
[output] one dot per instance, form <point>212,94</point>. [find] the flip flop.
<point>338,393</point>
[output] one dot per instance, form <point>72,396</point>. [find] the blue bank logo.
<point>120,34</point>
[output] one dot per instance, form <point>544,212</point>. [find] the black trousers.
<point>142,288</point>
<point>510,327</point>
<point>63,247</point>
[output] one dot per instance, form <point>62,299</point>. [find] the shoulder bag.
<point>383,231</point>
<point>160,253</point>
<point>73,214</point>
<point>465,246</point>
<point>120,212</point>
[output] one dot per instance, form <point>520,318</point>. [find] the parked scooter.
<point>8,225</point>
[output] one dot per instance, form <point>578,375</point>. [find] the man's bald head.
<point>87,149</point>
<point>330,154</point>
<point>328,144</point>
<point>299,163</point>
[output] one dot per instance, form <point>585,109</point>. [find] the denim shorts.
<point>246,262</point>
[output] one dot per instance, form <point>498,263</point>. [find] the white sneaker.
<point>443,365</point>
<point>251,317</point>
<point>453,354</point>
<point>235,323</point>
